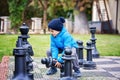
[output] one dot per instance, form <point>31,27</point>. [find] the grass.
<point>107,45</point>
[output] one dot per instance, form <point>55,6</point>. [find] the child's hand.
<point>58,65</point>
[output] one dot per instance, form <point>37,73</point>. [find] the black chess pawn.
<point>89,64</point>
<point>95,52</point>
<point>80,52</point>
<point>68,65</point>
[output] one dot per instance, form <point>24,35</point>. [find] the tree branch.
<point>42,4</point>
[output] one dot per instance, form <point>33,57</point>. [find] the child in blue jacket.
<point>60,38</point>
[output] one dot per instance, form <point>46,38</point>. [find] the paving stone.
<point>108,68</point>
<point>117,69</point>
<point>108,65</point>
<point>98,74</point>
<point>116,74</point>
<point>106,62</point>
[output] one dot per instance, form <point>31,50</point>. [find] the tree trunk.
<point>80,23</point>
<point>45,16</point>
<point>44,21</point>
<point>45,6</point>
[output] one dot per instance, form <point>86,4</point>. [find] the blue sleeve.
<point>67,43</point>
<point>67,40</point>
<point>54,49</point>
<point>60,58</point>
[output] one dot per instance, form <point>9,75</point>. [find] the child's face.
<point>54,32</point>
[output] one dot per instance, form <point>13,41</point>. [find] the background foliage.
<point>22,10</point>
<point>16,9</point>
<point>5,11</point>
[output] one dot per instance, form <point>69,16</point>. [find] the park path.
<point>108,68</point>
<point>4,68</point>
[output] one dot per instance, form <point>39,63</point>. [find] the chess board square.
<point>106,62</point>
<point>117,69</point>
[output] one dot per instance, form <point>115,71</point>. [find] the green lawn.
<point>107,45</point>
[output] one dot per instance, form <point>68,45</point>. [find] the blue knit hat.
<point>56,24</point>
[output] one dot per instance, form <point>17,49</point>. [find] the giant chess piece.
<point>29,52</point>
<point>80,53</point>
<point>20,52</point>
<point>49,62</point>
<point>95,52</point>
<point>89,64</point>
<point>68,65</point>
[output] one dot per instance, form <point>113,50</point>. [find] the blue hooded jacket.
<point>59,42</point>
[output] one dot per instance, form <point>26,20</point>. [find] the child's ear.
<point>48,29</point>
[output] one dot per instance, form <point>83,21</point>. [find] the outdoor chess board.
<point>108,68</point>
